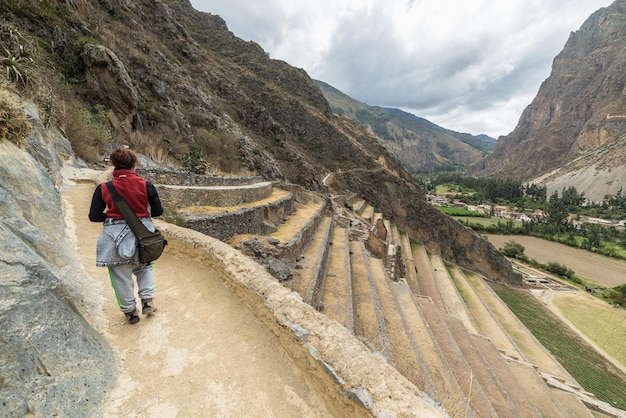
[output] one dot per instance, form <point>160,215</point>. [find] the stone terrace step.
<point>549,402</point>
<point>451,297</point>
<point>488,325</point>
<point>295,233</point>
<point>369,324</point>
<point>407,257</point>
<point>572,405</point>
<point>425,276</point>
<point>337,298</point>
<point>481,370</point>
<point>446,390</point>
<point>186,178</point>
<point>225,222</point>
<point>391,228</point>
<point>542,396</point>
<point>510,385</point>
<point>358,205</point>
<point>221,196</point>
<point>309,278</point>
<point>403,345</point>
<point>395,233</point>
<point>367,213</point>
<point>459,366</point>
<point>485,322</point>
<point>533,351</point>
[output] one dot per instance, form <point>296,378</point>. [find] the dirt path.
<point>202,354</point>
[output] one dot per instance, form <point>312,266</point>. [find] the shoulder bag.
<point>149,244</point>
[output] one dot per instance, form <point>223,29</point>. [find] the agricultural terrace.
<point>602,270</point>
<point>595,319</point>
<point>574,352</point>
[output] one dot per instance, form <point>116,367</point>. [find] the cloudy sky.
<point>467,65</point>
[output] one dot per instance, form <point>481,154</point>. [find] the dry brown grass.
<point>602,270</point>
<point>14,126</point>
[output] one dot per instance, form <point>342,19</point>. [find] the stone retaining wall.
<point>298,243</point>
<point>352,381</point>
<point>254,220</point>
<point>186,178</point>
<point>183,196</point>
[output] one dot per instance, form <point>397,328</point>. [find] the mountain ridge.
<point>187,92</point>
<point>574,128</point>
<point>419,144</point>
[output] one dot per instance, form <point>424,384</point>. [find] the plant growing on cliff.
<point>15,68</point>
<point>16,56</point>
<point>195,161</point>
<point>89,130</point>
<point>96,123</point>
<point>14,125</point>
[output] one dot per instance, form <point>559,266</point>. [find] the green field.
<point>594,373</point>
<point>602,324</point>
<point>468,220</point>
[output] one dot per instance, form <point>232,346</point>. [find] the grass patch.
<point>594,373</point>
<point>14,125</point>
<point>469,220</point>
<point>597,320</point>
<point>454,211</point>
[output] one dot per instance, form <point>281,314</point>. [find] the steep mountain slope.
<point>187,92</point>
<point>576,123</point>
<point>419,144</point>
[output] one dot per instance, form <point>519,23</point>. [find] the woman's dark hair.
<point>123,159</point>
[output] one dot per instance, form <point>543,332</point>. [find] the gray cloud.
<point>467,65</point>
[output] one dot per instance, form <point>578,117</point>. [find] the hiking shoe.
<point>132,316</point>
<point>147,307</point>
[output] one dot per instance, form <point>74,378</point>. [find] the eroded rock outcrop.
<point>109,83</point>
<point>577,117</point>
<point>53,362</point>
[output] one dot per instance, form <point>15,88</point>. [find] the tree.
<point>536,192</point>
<point>556,211</point>
<point>559,269</point>
<point>571,197</point>
<point>514,249</point>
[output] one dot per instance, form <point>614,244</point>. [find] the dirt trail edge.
<point>228,339</point>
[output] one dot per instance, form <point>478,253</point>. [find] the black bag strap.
<point>138,228</point>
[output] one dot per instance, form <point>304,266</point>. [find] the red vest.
<point>132,188</point>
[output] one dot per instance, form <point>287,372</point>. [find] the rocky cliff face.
<point>53,362</point>
<point>579,111</point>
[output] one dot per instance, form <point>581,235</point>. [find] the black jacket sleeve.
<point>156,209</point>
<point>96,211</point>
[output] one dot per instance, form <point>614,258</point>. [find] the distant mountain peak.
<point>572,134</point>
<point>419,144</point>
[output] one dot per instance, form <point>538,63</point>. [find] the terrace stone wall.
<point>185,178</point>
<point>253,220</point>
<point>183,196</point>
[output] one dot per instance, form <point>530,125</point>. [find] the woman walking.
<point>116,247</point>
